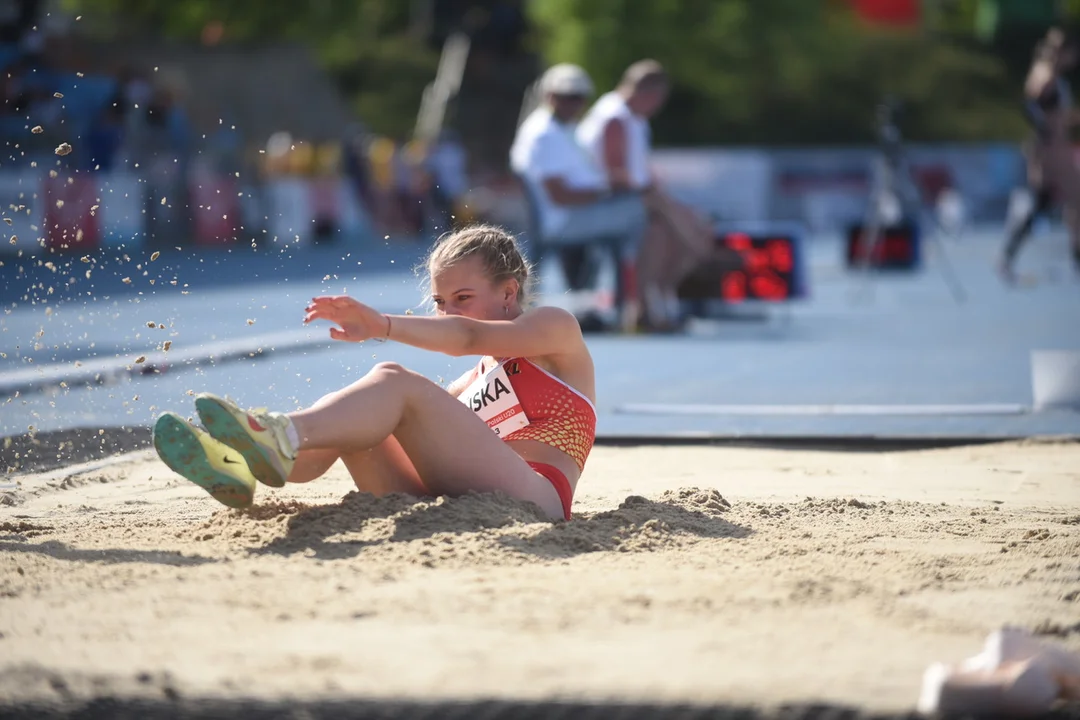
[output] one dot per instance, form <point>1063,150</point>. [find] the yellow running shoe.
<point>213,466</point>
<point>258,435</point>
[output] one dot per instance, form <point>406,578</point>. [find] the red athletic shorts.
<point>558,481</point>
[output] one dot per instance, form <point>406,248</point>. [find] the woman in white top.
<point>616,132</point>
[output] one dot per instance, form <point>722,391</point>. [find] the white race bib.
<point>491,396</point>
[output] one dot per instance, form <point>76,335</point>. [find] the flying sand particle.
<point>63,149</point>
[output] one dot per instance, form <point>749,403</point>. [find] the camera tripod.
<point>894,180</point>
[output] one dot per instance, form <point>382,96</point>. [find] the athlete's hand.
<point>357,321</point>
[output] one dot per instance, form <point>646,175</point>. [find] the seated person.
<point>574,202</point>
<point>617,135</point>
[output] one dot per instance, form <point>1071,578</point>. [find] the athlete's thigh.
<point>384,469</point>
<point>455,452</point>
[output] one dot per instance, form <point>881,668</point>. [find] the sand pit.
<point>690,574</point>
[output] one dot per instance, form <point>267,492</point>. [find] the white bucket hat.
<point>566,79</point>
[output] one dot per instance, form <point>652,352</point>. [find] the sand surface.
<point>695,574</point>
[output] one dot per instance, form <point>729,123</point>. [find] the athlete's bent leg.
<point>384,469</point>
<point>312,464</point>
<point>452,450</point>
<point>380,470</point>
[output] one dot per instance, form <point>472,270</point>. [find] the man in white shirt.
<point>573,200</point>
<point>616,133</point>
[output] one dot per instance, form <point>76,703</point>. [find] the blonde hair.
<point>497,249</point>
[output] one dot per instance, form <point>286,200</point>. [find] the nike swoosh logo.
<point>230,460</point>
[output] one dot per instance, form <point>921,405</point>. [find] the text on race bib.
<point>491,396</point>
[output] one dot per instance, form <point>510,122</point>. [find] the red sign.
<point>216,209</point>
<point>768,268</point>
<point>895,247</point>
<point>71,218</point>
<point>888,12</point>
<point>762,267</point>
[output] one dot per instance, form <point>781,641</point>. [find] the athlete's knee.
<point>391,370</point>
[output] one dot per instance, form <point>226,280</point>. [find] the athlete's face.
<point>465,289</point>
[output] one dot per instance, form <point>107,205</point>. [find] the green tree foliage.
<point>366,44</point>
<point>784,71</point>
<point>745,71</point>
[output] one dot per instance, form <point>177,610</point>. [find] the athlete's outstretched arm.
<point>543,331</point>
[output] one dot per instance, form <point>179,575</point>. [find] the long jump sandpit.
<point>696,576</point>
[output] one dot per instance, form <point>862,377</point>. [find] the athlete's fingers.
<point>332,300</point>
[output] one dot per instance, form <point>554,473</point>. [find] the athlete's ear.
<point>510,289</point>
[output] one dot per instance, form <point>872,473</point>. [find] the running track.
<point>955,370</point>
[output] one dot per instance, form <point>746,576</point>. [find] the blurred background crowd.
<point>395,117</point>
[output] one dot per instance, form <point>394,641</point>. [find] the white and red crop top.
<point>519,400</point>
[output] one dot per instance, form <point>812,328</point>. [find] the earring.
<point>506,311</point>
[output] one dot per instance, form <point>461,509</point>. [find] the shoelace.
<point>276,423</point>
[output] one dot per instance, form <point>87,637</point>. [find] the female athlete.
<point>1052,175</point>
<point>522,421</point>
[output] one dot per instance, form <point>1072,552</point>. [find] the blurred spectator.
<point>382,153</point>
<point>412,184</point>
<point>43,108</point>
<point>617,135</point>
<point>158,147</point>
<point>15,93</point>
<point>135,91</point>
<point>573,201</point>
<point>447,163</point>
<point>17,19</point>
<point>32,48</point>
<point>105,138</point>
<point>223,145</point>
<point>357,167</point>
